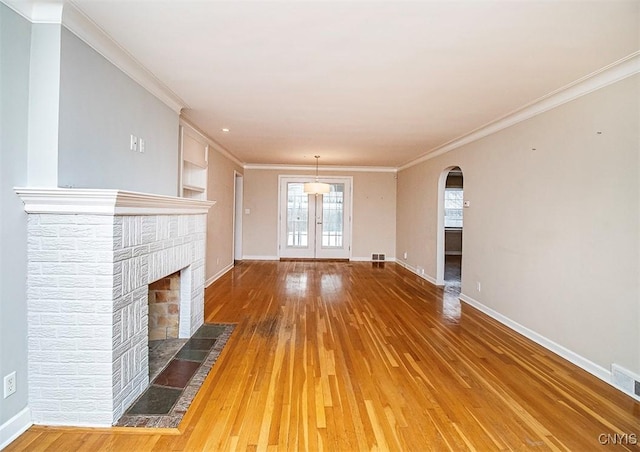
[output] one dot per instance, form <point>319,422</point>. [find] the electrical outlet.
<point>9,384</point>
<point>141,145</point>
<point>405,255</point>
<point>479,286</point>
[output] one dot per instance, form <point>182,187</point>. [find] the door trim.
<point>440,233</point>
<point>307,178</point>
<point>238,196</point>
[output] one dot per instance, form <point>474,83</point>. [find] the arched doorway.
<point>450,227</point>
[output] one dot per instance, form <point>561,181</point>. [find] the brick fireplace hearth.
<point>92,255</point>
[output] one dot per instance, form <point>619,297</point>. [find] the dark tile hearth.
<point>192,355</point>
<point>173,388</point>
<point>155,400</point>
<point>161,352</point>
<point>177,373</point>
<point>209,330</point>
<point>198,344</point>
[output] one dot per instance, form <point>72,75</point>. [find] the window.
<point>453,203</point>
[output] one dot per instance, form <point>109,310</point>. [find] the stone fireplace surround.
<point>92,255</point>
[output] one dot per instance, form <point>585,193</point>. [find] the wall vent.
<point>626,380</point>
<point>377,257</point>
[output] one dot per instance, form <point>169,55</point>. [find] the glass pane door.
<point>332,213</point>
<point>314,226</point>
<point>332,217</point>
<point>297,220</point>
<point>297,216</point>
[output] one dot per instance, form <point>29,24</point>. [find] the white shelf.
<point>193,188</point>
<point>198,164</point>
<point>194,152</point>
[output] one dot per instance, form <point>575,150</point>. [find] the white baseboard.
<point>15,427</point>
<point>277,258</point>
<point>260,258</point>
<point>353,259</point>
<point>594,369</point>
<point>412,269</point>
<point>215,277</point>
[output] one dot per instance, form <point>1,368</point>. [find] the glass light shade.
<point>317,188</point>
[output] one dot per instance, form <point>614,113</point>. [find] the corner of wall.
<point>617,377</point>
<point>15,427</point>
<point>419,271</point>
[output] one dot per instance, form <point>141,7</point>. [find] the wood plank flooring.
<point>352,356</point>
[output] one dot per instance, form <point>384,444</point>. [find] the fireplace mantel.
<point>91,257</point>
<point>106,202</point>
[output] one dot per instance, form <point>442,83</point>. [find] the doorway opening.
<point>237,218</point>
<point>315,226</point>
<point>450,227</point>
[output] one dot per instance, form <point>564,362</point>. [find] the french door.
<point>315,226</point>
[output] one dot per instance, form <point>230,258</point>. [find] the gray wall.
<point>15,40</point>
<point>100,107</point>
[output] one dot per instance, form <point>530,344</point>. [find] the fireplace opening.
<point>164,308</point>
<point>164,321</point>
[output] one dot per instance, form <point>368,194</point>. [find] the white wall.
<point>374,211</point>
<point>44,105</point>
<point>100,107</point>
<point>15,41</point>
<point>552,233</point>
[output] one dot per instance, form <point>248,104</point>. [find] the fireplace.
<point>164,308</point>
<point>92,255</point>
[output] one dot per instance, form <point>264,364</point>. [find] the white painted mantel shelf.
<point>107,202</point>
<point>91,255</point>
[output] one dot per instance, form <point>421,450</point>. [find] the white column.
<point>44,104</point>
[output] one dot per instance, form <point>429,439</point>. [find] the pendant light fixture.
<point>317,188</point>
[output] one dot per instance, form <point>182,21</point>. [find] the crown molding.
<point>73,201</point>
<point>608,75</point>
<point>350,169</point>
<point>186,121</point>
<point>38,12</point>
<point>89,32</point>
<point>65,12</point>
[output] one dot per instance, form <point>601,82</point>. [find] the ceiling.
<point>361,83</point>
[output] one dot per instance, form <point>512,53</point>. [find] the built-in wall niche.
<point>194,152</point>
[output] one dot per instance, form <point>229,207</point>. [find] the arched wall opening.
<point>450,226</point>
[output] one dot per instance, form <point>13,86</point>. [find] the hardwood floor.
<point>351,356</point>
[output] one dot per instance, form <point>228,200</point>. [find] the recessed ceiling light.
<point>225,129</point>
